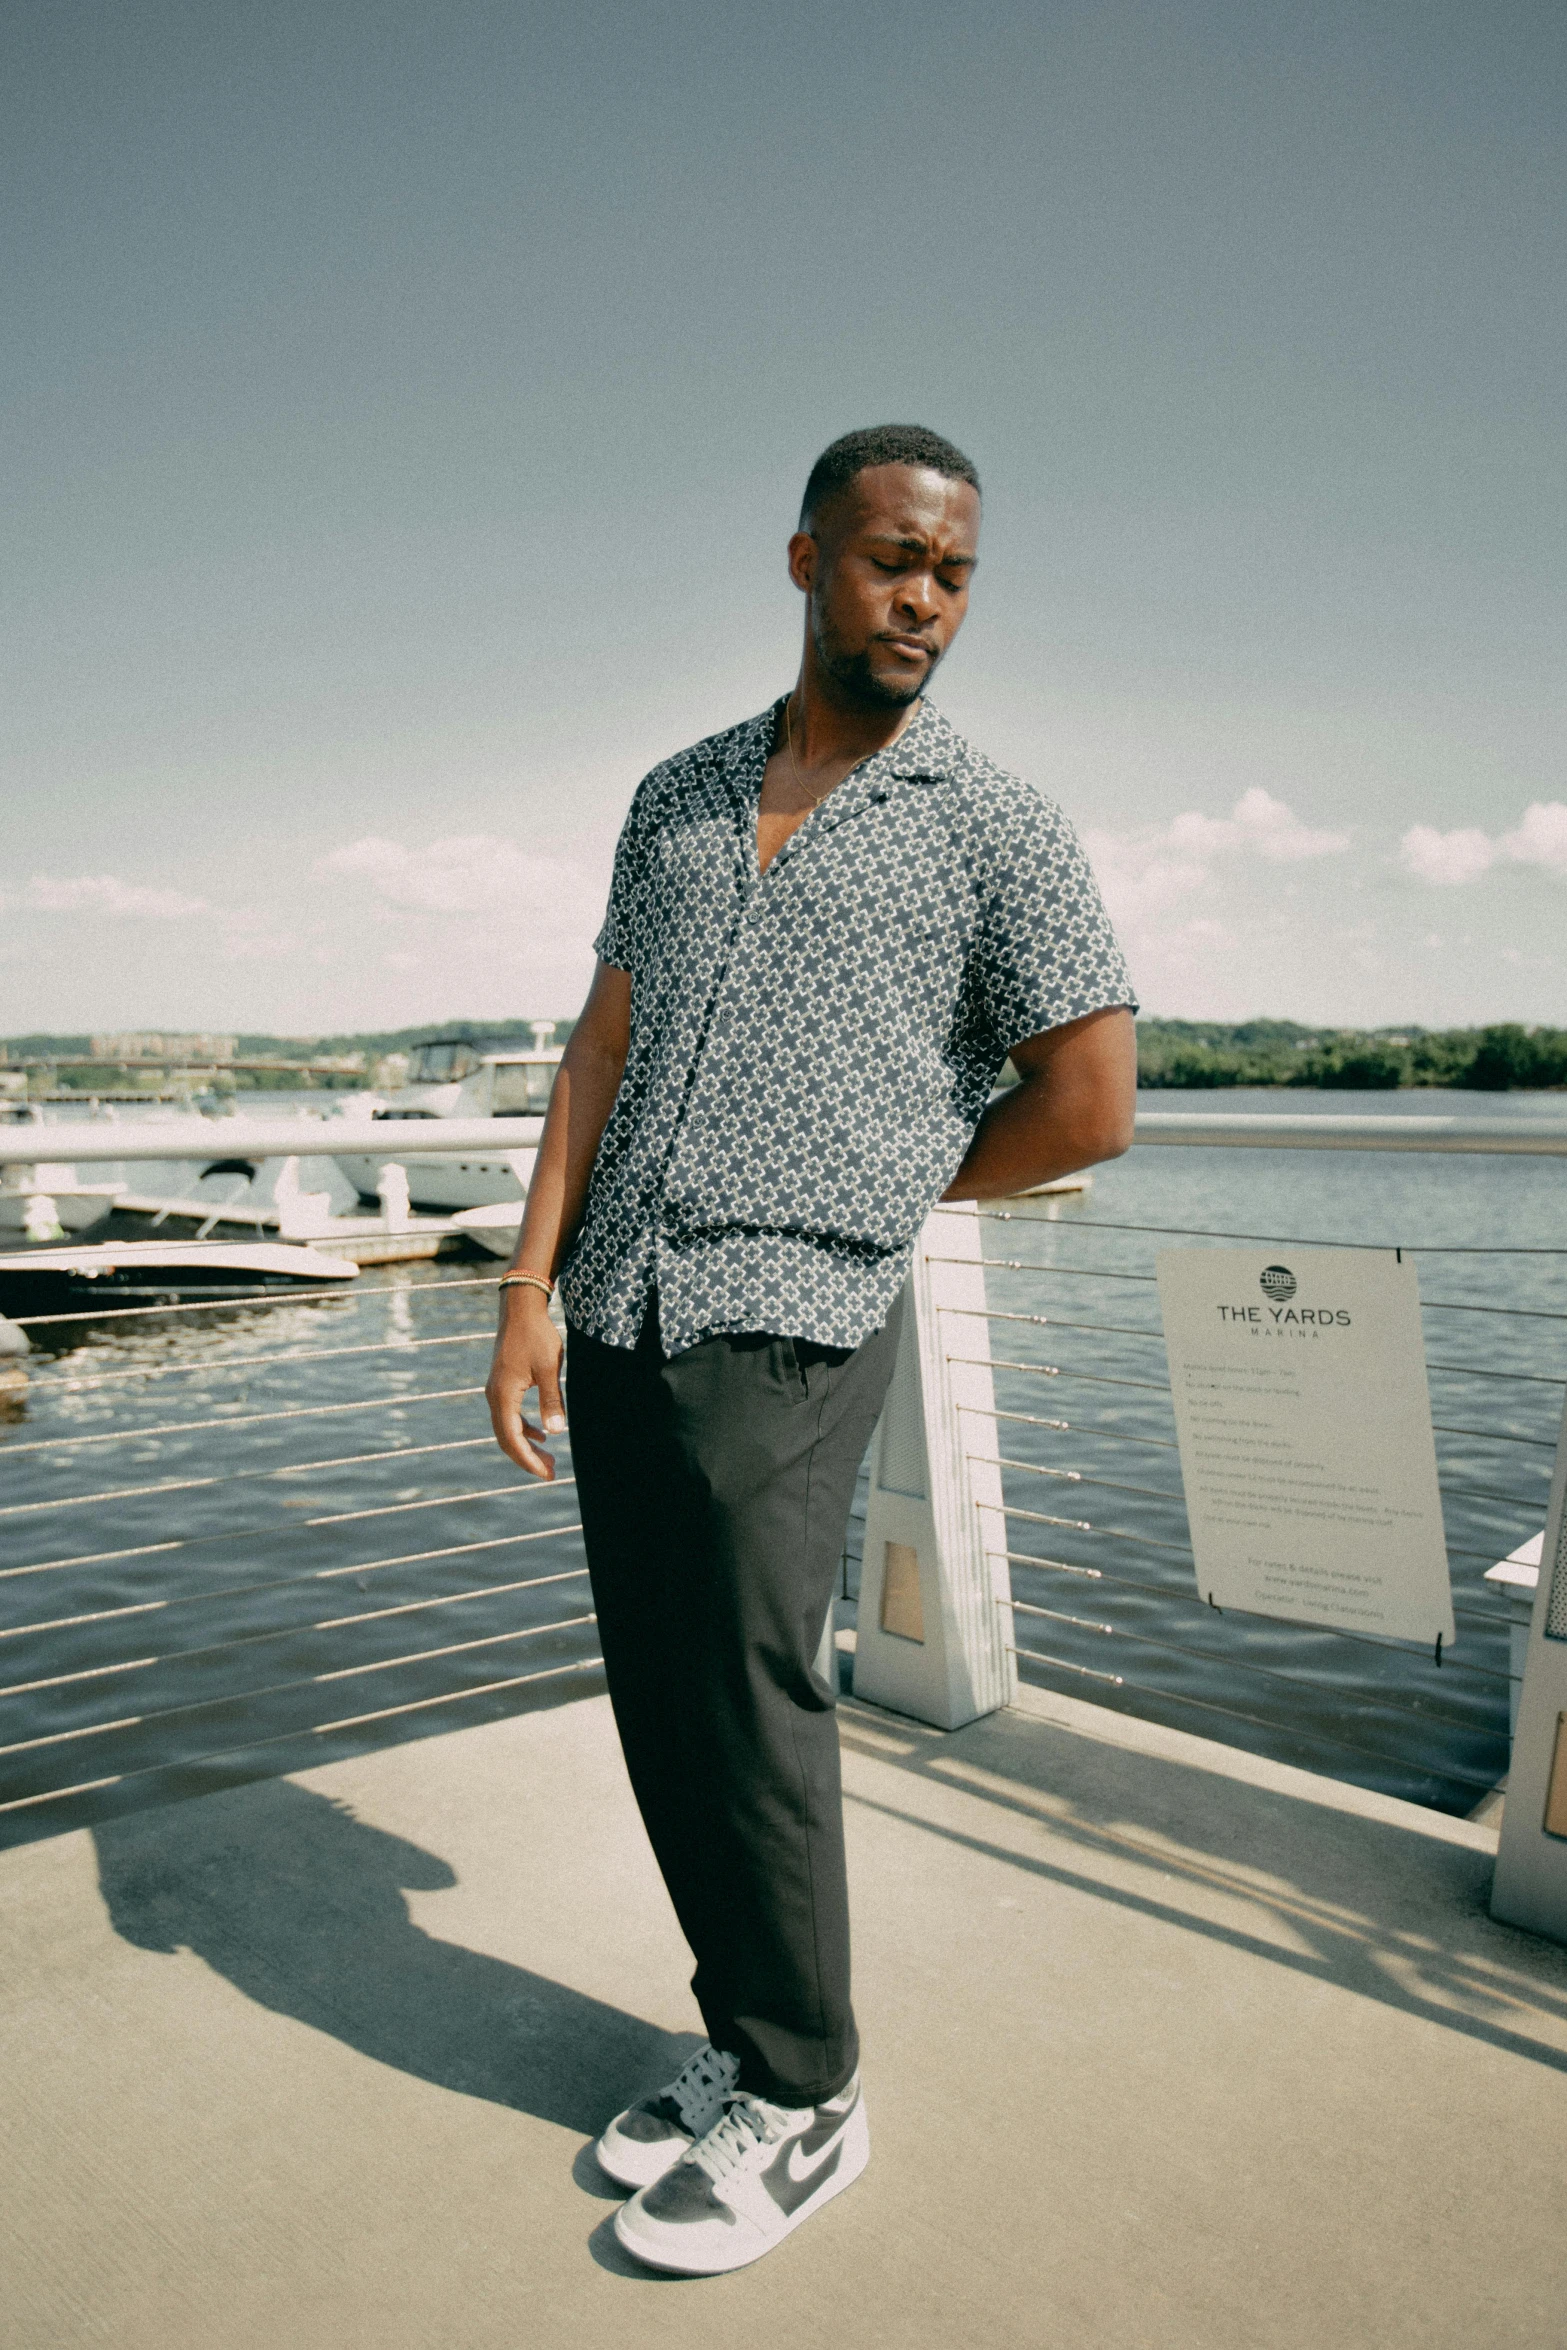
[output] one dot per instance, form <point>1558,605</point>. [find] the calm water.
<point>224,1584</point>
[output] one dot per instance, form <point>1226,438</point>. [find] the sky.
<point>405,411</point>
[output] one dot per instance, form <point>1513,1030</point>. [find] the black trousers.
<point>715,1490</point>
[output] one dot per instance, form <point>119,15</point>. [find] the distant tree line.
<point>373,1042</point>
<point>1498,1059</point>
<point>83,1076</point>
<point>42,1044</point>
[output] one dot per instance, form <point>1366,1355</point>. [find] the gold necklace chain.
<point>815,798</point>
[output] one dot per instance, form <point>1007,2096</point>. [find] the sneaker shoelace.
<point>747,2122</point>
<point>693,2088</point>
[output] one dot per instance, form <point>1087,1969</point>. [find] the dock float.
<point>365,1239</point>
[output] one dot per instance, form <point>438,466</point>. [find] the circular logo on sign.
<point>1278,1282</point>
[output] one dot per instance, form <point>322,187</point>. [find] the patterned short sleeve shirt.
<point>811,1048</point>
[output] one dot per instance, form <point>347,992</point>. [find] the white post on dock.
<point>1530,1886</point>
<point>934,1638</point>
<point>391,1189</point>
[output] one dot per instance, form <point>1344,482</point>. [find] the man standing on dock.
<point>827,929</point>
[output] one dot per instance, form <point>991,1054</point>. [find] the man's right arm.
<point>528,1346</point>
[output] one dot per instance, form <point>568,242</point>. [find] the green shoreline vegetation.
<point>1500,1059</point>
<point>1503,1058</point>
<point>1170,1053</point>
<point>56,1063</point>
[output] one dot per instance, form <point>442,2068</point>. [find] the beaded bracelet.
<point>528,1281</point>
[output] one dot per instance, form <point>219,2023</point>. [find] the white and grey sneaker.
<point>760,2170</point>
<point>644,2141</point>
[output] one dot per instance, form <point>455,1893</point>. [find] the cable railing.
<point>1432,1725</point>
<point>182,1566</point>
<point>218,1632</point>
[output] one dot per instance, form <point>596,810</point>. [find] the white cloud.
<point>1541,839</point>
<point>478,921</point>
<point>1150,867</point>
<point>1260,824</point>
<point>1447,859</point>
<point>105,893</point>
<point>465,873</point>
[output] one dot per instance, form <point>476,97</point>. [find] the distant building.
<point>144,1046</point>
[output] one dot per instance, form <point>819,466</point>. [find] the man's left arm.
<point>1074,1106</point>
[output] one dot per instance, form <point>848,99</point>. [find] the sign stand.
<point>1530,1886</point>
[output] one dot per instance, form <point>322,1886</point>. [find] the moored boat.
<point>46,1199</point>
<point>140,1272</point>
<point>450,1078</point>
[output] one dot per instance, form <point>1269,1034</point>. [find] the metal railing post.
<point>934,1638</point>
<point>1530,1885</point>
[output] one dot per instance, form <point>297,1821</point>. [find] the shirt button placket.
<point>748,886</point>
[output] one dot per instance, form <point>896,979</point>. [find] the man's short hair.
<point>881,444</point>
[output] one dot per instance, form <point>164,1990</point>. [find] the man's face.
<point>886,569</point>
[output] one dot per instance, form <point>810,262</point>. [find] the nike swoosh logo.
<point>789,2181</point>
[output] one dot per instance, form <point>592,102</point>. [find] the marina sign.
<point>1304,1422</point>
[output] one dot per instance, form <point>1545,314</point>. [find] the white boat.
<point>107,1271</point>
<point>46,1200</point>
<point>450,1078</point>
<point>494,1228</point>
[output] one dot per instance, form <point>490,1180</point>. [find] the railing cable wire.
<point>384,1509</point>
<point>1531,1507</point>
<point>305,1411</point>
<point>1244,1664</point>
<point>65,1383</point>
<point>1444,1305</point>
<point>1275,1239</point>
<point>1180,1549</point>
<point>1261,1722</point>
<point>247,1640</point>
<point>384,1664</point>
<point>409,1558</point>
<point>1057,1370</point>
<point>386,1713</point>
<point>352,1460</point>
<point>1451,1663</point>
<point>268,1298</point>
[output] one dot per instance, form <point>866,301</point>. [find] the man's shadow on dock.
<point>301,1907</point>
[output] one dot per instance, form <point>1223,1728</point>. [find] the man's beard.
<point>851,673</point>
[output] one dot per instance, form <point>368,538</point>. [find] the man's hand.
<point>528,1346</point>
<point>528,1352</point>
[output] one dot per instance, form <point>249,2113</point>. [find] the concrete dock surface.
<point>1164,2046</point>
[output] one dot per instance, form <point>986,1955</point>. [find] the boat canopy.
<point>442,1061</point>
<point>522,1088</point>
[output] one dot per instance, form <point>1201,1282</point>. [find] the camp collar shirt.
<point>812,1047</point>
